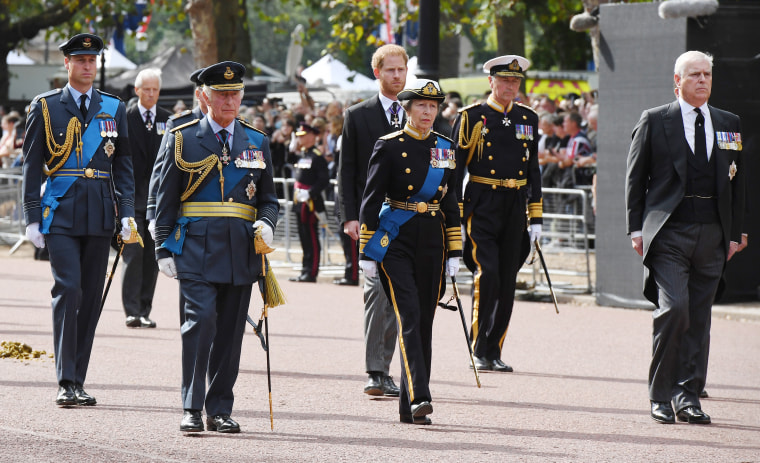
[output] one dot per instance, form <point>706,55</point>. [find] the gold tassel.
<point>273,294</point>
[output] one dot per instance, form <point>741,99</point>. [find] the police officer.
<point>497,142</point>
<point>312,176</point>
<point>410,230</point>
<point>76,138</point>
<point>215,191</point>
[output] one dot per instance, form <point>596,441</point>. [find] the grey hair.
<point>690,57</point>
<point>207,91</point>
<point>148,74</point>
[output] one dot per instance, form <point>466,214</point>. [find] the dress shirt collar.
<point>216,127</point>
<point>498,106</point>
<point>143,109</point>
<point>386,102</point>
<point>76,94</point>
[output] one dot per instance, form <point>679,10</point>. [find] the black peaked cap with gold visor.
<point>224,77</point>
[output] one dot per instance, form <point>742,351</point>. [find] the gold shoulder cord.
<point>475,139</point>
<point>202,168</point>
<point>74,129</point>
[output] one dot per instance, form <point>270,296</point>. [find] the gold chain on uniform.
<point>202,168</point>
<point>74,129</point>
<point>472,141</point>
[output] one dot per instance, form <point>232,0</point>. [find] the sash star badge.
<point>732,170</point>
<point>109,148</point>
<point>250,190</point>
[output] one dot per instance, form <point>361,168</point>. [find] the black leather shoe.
<point>191,421</point>
<point>412,420</point>
<point>693,415</point>
<point>374,385</point>
<point>422,409</point>
<point>389,387</point>
<point>222,423</point>
<point>482,364</point>
<point>662,412</point>
<point>82,397</point>
<point>66,396</point>
<point>703,394</point>
<point>498,365</point>
<point>146,322</point>
<point>133,322</point>
<point>346,282</point>
<point>304,278</point>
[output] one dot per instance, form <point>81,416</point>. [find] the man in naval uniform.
<point>76,142</point>
<point>497,143</point>
<point>215,193</point>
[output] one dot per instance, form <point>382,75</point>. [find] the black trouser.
<point>351,254</point>
<point>139,272</point>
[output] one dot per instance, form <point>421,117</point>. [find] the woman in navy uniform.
<point>410,231</point>
<point>76,141</point>
<point>312,176</point>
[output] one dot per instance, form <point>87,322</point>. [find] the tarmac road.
<point>578,392</point>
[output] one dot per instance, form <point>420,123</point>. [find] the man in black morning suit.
<point>685,209</point>
<point>76,141</point>
<point>147,124</point>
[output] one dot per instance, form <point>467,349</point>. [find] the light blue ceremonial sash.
<point>58,186</point>
<point>210,193</point>
<point>391,220</point>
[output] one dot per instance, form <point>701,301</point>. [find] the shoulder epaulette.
<point>526,107</point>
<point>392,135</point>
<point>317,152</point>
<point>245,123</point>
<point>108,94</point>
<point>178,115</point>
<point>442,136</point>
<point>186,124</point>
<point>468,107</point>
<point>47,94</point>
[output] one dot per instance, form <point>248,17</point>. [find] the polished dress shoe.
<point>389,387</point>
<point>191,421</point>
<point>133,322</point>
<point>304,278</point>
<point>66,396</point>
<point>481,363</point>
<point>82,397</point>
<point>146,322</point>
<point>703,394</point>
<point>693,415</point>
<point>222,423</point>
<point>662,412</point>
<point>374,385</point>
<point>498,365</point>
<point>346,282</point>
<point>412,420</point>
<point>422,409</point>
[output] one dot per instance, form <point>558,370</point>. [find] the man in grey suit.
<point>364,123</point>
<point>685,211</point>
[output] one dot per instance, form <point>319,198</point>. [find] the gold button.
<point>435,201</point>
<point>432,214</point>
<point>488,143</point>
<point>490,158</point>
<point>408,170</point>
<point>410,188</point>
<point>440,188</point>
<point>422,208</point>
<point>230,200</point>
<point>520,172</point>
<point>525,145</point>
<point>493,187</point>
<point>403,155</point>
<point>524,159</point>
<point>493,171</point>
<point>89,173</point>
<point>525,117</point>
<point>400,139</point>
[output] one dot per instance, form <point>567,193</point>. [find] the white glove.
<point>452,266</point>
<point>369,267</point>
<point>126,232</point>
<point>167,267</point>
<point>302,196</point>
<point>267,234</point>
<point>152,228</point>
<point>535,233</point>
<point>34,235</point>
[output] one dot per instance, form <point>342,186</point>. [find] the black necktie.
<point>395,120</point>
<point>222,137</point>
<point>148,121</point>
<point>700,143</point>
<point>83,105</point>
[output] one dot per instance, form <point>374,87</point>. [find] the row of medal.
<point>524,132</point>
<point>443,158</point>
<point>251,159</point>
<point>108,129</point>
<point>729,140</point>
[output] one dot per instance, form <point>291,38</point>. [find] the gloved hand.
<point>369,267</point>
<point>167,267</point>
<point>267,234</point>
<point>535,233</point>
<point>302,196</point>
<point>152,228</point>
<point>34,235</point>
<point>452,266</point>
<point>126,232</point>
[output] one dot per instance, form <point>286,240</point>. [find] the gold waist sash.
<point>87,173</point>
<point>420,208</point>
<point>214,209</point>
<point>496,182</point>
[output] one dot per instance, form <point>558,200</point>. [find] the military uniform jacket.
<point>215,249</point>
<point>498,143</point>
<point>312,171</point>
<point>88,206</point>
<point>145,145</point>
<point>397,170</point>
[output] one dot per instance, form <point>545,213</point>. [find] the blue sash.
<point>391,220</point>
<point>210,193</point>
<point>91,141</point>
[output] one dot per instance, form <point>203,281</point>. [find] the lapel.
<point>721,160</point>
<point>239,141</point>
<point>94,107</point>
<point>676,139</point>
<point>381,113</point>
<point>68,102</point>
<point>207,138</point>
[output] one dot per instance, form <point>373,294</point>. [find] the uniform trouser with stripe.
<point>412,274</point>
<point>492,252</point>
<point>79,265</point>
<point>213,323</point>
<point>307,233</point>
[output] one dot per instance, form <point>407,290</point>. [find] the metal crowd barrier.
<point>12,229</point>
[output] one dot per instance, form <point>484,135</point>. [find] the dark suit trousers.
<point>79,265</point>
<point>492,253</point>
<point>308,234</point>
<point>139,272</point>
<point>686,262</point>
<point>351,254</point>
<point>213,323</point>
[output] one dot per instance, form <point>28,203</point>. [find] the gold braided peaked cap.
<point>225,76</point>
<point>424,89</point>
